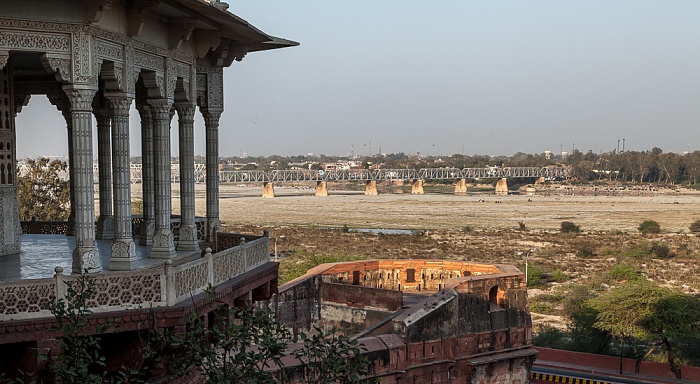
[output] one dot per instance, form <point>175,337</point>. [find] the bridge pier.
<point>371,188</point>
<point>268,190</point>
<point>321,188</point>
<point>502,187</point>
<point>417,187</point>
<point>461,186</point>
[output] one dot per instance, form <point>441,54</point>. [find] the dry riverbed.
<point>482,228</point>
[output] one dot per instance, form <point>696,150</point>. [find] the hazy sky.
<point>443,77</point>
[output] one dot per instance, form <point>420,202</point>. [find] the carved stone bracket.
<point>94,9</point>
<point>226,52</point>
<point>179,30</point>
<point>4,58</point>
<point>155,84</point>
<point>135,10</point>
<point>61,66</point>
<point>205,41</point>
<point>113,76</point>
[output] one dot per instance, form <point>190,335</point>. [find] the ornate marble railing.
<point>60,227</point>
<point>162,285</point>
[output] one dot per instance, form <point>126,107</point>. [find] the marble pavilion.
<point>96,58</point>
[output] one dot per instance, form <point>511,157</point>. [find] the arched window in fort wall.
<point>496,298</point>
<point>410,275</point>
<point>355,277</point>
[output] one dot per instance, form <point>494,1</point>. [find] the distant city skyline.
<point>488,78</point>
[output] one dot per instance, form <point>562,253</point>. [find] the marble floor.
<point>42,253</point>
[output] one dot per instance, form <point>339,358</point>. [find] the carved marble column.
<point>85,255</point>
<point>187,239</point>
<point>105,222</point>
<point>211,121</point>
<point>10,228</point>
<point>123,254</point>
<point>163,245</point>
<point>147,186</point>
<point>68,116</point>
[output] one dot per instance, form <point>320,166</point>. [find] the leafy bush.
<point>585,251</point>
<point>559,276</point>
<point>624,273</point>
<point>649,226</point>
<point>660,251</point>
<point>468,229</point>
<point>576,298</point>
<point>695,226</point>
<point>569,227</point>
<point>522,226</point>
<point>541,307</point>
<point>535,276</point>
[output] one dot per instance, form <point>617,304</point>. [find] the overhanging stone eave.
<point>231,25</point>
<point>275,43</point>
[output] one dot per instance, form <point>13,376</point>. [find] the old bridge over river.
<point>372,176</point>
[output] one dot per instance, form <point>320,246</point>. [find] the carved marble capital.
<point>160,108</point>
<point>211,118</point>
<point>185,112</point>
<point>120,105</point>
<point>80,98</point>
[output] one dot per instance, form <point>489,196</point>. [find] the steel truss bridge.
<point>294,175</point>
<point>298,175</point>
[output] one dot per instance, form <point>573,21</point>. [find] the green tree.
<point>650,313</point>
<point>41,193</point>
<point>239,346</point>
<point>80,360</point>
<point>332,358</point>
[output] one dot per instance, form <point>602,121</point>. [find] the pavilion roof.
<point>214,15</point>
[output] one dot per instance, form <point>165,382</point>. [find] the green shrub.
<point>522,226</point>
<point>695,226</point>
<point>559,276</point>
<point>649,226</point>
<point>569,227</point>
<point>535,276</point>
<point>541,307</point>
<point>585,251</point>
<point>660,251</point>
<point>468,229</point>
<point>638,251</point>
<point>624,273</point>
<point>576,298</point>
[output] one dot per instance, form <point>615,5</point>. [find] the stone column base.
<point>105,228</point>
<point>146,232</point>
<point>461,186</point>
<point>187,238</point>
<point>268,190</point>
<point>213,225</point>
<point>70,230</point>
<point>86,258</point>
<point>322,188</point>
<point>371,188</point>
<point>163,246</point>
<point>417,187</point>
<point>123,255</point>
